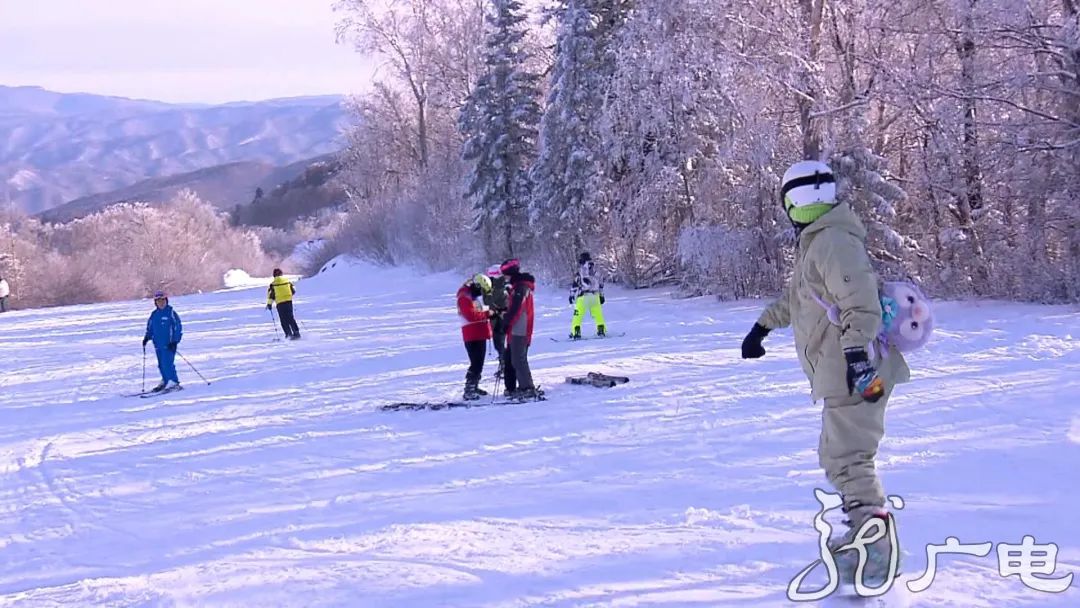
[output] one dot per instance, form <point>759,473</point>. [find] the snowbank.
<point>240,279</point>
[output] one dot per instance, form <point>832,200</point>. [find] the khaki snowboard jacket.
<point>831,262</point>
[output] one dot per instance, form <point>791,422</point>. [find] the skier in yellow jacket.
<point>281,291</point>
<point>832,266</point>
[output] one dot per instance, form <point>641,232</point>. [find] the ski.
<point>449,405</point>
<point>604,337</point>
<point>598,380</point>
<point>161,392</point>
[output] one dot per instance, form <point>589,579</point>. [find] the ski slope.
<point>281,484</point>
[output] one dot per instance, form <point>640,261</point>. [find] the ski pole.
<point>495,388</point>
<point>144,368</point>
<point>273,320</point>
<point>192,367</point>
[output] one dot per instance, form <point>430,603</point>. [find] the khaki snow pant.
<point>851,430</point>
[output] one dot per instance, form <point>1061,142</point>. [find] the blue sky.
<point>178,50</point>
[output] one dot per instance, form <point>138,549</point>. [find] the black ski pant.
<point>477,351</point>
<point>288,321</point>
<point>516,372</point>
<point>498,334</point>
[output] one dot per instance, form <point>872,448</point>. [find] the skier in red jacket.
<point>475,330</point>
<point>519,329</point>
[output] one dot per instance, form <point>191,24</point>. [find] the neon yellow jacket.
<point>281,290</point>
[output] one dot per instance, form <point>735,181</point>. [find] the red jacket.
<point>520,316</point>
<point>474,320</point>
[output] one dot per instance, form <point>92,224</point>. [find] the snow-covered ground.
<point>281,484</point>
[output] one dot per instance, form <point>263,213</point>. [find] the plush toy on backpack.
<point>907,319</point>
<point>906,315</point>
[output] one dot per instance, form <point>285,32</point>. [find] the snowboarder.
<point>164,328</point>
<point>832,265</point>
<point>587,294</point>
<point>518,320</point>
<point>281,291</point>
<point>497,300</point>
<point>5,291</point>
<point>475,330</point>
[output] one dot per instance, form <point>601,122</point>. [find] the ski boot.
<point>472,391</point>
<point>576,334</point>
<point>601,331</point>
<point>528,394</point>
<point>160,387</point>
<point>171,386</point>
<point>878,553</point>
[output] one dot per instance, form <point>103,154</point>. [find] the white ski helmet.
<point>808,191</point>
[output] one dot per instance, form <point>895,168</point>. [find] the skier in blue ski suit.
<point>164,328</point>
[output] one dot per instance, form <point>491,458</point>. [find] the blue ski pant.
<point>166,363</point>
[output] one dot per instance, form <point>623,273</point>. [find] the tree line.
<point>653,133</point>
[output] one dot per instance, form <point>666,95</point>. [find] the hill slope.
<point>281,484</point>
<point>224,186</point>
<point>221,185</point>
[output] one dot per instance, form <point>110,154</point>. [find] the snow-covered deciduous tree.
<point>667,115</point>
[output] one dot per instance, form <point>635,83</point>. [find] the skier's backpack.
<point>907,319</point>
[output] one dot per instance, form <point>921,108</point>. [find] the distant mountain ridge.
<point>225,186</point>
<point>59,147</point>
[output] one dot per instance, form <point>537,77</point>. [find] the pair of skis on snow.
<point>592,379</point>
<point>449,405</point>
<point>598,380</point>
<point>148,394</point>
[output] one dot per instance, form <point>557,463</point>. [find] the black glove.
<point>751,344</point>
<point>862,376</point>
<point>571,300</point>
<point>601,299</point>
<point>172,346</point>
<point>144,341</point>
<point>269,306</point>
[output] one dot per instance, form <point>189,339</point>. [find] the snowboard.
<point>598,380</point>
<point>604,337</point>
<point>897,596</point>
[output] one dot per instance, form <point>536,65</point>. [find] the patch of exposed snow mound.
<point>240,279</point>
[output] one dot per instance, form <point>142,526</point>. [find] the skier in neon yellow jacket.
<point>587,295</point>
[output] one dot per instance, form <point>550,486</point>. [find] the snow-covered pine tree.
<point>566,209</point>
<point>499,121</point>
